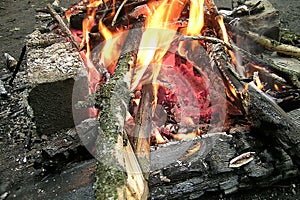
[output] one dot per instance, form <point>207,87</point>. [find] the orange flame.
<point>155,43</point>
<point>257,81</point>
<point>276,87</point>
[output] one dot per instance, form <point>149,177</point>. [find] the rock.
<point>223,4</point>
<point>266,23</point>
<point>3,92</point>
<point>52,65</point>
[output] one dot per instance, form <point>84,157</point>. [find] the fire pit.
<point>176,109</point>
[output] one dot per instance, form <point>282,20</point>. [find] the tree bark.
<point>119,175</point>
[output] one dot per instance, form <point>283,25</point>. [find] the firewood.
<point>118,12</point>
<point>143,128</point>
<point>288,100</point>
<point>273,45</point>
<point>289,75</point>
<point>221,60</point>
<point>119,175</point>
<point>269,119</point>
<point>63,26</point>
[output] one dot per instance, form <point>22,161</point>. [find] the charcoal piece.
<point>76,20</point>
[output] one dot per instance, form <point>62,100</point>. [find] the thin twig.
<point>18,65</point>
<point>118,12</point>
<point>62,24</point>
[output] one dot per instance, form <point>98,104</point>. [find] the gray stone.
<point>52,65</point>
<point>266,23</point>
<point>223,4</point>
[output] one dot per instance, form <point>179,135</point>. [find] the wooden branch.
<point>119,175</point>
<point>63,26</point>
<point>273,45</point>
<point>143,127</point>
<point>118,12</point>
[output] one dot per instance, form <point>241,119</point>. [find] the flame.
<point>158,137</point>
<point>257,81</point>
<point>182,136</point>
<point>196,19</point>
<point>93,74</point>
<point>156,40</point>
<point>223,28</point>
<point>276,87</point>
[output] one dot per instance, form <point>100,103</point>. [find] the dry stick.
<point>133,4</point>
<point>142,131</point>
<point>273,45</point>
<point>63,26</point>
<point>18,65</point>
<point>118,12</point>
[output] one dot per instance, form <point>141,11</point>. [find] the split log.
<point>119,175</point>
<point>195,167</point>
<point>143,128</point>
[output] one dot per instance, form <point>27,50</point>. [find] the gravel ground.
<point>16,21</point>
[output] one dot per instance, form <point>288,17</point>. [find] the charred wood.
<point>288,100</point>
<point>16,70</point>
<point>269,119</point>
<point>63,26</point>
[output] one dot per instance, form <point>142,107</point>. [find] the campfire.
<point>181,109</point>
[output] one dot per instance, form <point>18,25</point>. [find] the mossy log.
<point>119,175</point>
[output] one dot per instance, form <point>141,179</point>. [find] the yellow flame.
<point>158,137</point>
<point>182,136</point>
<point>155,43</point>
<point>223,28</point>
<point>196,19</point>
<point>156,40</point>
<point>112,47</point>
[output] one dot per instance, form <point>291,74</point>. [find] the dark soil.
<point>17,19</point>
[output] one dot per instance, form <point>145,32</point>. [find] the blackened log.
<point>288,100</point>
<point>118,172</point>
<point>271,121</point>
<point>189,169</point>
<point>236,89</point>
